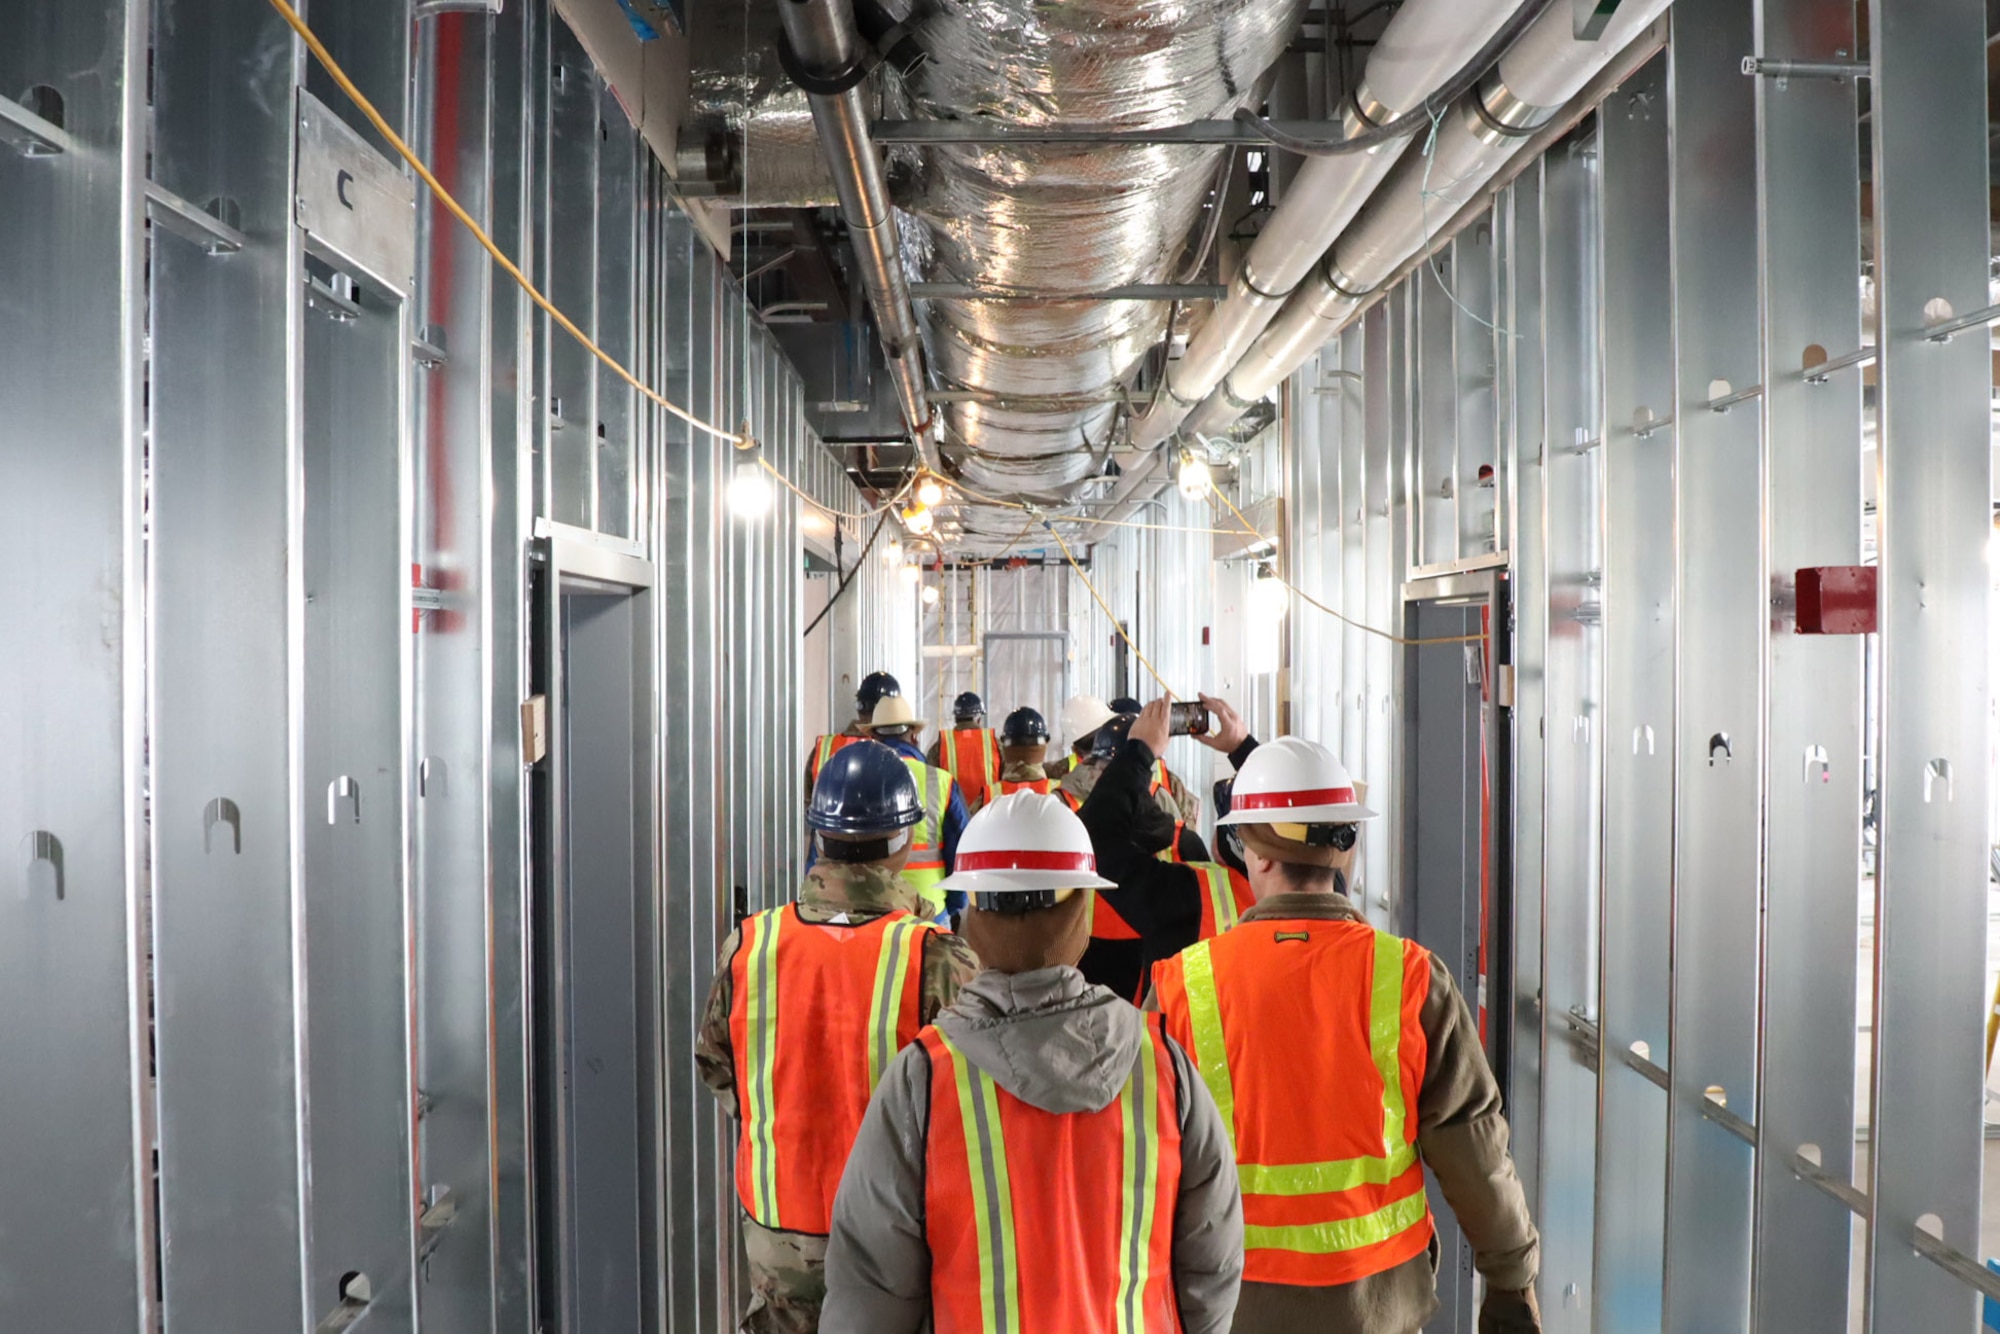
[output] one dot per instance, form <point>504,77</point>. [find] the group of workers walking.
<point>1137,1090</point>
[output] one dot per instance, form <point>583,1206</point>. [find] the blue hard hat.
<point>875,687</point>
<point>1024,727</point>
<point>968,705</point>
<point>1124,704</point>
<point>864,789</point>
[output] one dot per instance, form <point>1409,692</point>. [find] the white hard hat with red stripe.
<point>1294,781</point>
<point>1025,842</point>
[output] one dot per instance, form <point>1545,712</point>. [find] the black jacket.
<point>1160,900</point>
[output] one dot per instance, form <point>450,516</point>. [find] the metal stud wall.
<point>269,910</point>
<point>1660,323</point>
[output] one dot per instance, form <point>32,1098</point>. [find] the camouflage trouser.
<point>787,1281</point>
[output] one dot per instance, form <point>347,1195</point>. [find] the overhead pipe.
<point>1481,133</point>
<point>830,60</point>
<point>1424,44</point>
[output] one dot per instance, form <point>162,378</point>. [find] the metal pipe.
<point>1476,139</point>
<point>828,46</point>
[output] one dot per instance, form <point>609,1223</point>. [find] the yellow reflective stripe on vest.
<point>1385,1039</point>
<point>1138,1106</point>
<point>760,1101</point>
<point>1342,1234</point>
<point>1385,1042</point>
<point>1221,895</point>
<point>1205,1018</point>
<point>992,1198</point>
<point>892,978</point>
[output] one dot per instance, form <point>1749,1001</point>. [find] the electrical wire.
<point>1250,529</point>
<point>1109,614</point>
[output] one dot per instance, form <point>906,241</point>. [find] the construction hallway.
<point>999,666</point>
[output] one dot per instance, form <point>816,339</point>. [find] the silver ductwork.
<point>1481,133</point>
<point>829,50</point>
<point>1064,219</point>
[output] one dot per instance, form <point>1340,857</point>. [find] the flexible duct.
<point>1064,219</point>
<point>1543,71</point>
<point>1425,43</point>
<point>828,47</point>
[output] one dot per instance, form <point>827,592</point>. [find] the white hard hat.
<point>1025,842</point>
<point>1294,781</point>
<point>1083,715</point>
<point>893,711</point>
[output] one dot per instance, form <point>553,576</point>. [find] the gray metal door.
<point>596,985</point>
<point>1455,900</point>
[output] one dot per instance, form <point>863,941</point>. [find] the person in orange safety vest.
<point>1345,1062</point>
<point>969,752</point>
<point>874,688</point>
<point>1043,1160</point>
<point>1024,749</point>
<point>810,1004</point>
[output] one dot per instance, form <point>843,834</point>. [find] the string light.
<point>749,488</point>
<point>1194,475</point>
<point>930,490</point>
<point>931,595</point>
<point>918,519</point>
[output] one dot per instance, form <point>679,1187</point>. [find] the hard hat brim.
<point>1351,812</point>
<point>1023,881</point>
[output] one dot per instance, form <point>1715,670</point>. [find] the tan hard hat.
<point>894,711</point>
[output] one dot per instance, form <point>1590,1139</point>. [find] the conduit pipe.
<point>829,49</point>
<point>1425,44</point>
<point>1475,140</point>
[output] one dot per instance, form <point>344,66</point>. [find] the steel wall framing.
<point>1687,817</point>
<point>216,570</point>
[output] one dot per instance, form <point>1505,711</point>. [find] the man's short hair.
<point>1306,879</point>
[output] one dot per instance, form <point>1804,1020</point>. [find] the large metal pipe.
<point>1478,137</point>
<point>1424,45</point>
<point>829,47</point>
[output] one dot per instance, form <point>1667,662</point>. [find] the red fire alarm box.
<point>1837,600</point>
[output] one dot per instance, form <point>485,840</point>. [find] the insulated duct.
<point>1425,44</point>
<point>1063,219</point>
<point>1478,136</point>
<point>830,53</point>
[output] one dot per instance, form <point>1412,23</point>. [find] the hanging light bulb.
<point>1269,598</point>
<point>893,553</point>
<point>930,595</point>
<point>919,521</point>
<point>1194,475</point>
<point>930,490</point>
<point>749,488</point>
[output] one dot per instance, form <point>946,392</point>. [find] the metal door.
<point>596,958</point>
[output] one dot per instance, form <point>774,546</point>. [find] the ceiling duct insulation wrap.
<point>1063,219</point>
<point>1543,72</point>
<point>749,130</point>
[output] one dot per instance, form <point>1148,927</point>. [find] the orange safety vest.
<point>1306,1032</point>
<point>1225,896</point>
<point>1091,1211</point>
<point>816,1013</point>
<point>971,755</point>
<point>823,750</point>
<point>1009,786</point>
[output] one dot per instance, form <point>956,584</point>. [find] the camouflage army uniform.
<point>1174,798</point>
<point>788,1269</point>
<point>1023,771</point>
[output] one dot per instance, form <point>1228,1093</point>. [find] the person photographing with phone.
<point>1160,907</point>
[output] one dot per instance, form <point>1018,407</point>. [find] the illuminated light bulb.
<point>918,520</point>
<point>1194,477</point>
<point>912,573</point>
<point>930,595</point>
<point>1269,598</point>
<point>930,491</point>
<point>893,553</point>
<point>749,490</point>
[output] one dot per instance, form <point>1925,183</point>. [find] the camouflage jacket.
<point>831,892</point>
<point>1174,798</point>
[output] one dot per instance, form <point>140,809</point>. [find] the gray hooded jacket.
<point>1058,1043</point>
